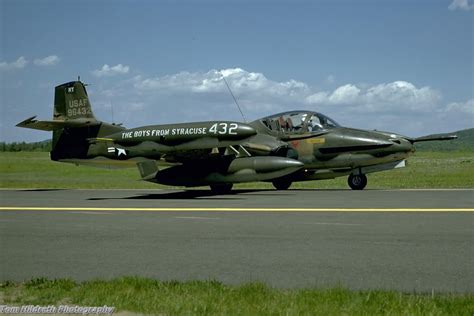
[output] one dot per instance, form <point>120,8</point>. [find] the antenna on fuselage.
<point>112,112</point>
<point>235,100</point>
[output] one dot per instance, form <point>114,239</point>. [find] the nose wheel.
<point>357,181</point>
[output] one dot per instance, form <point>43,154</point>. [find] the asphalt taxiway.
<point>412,240</point>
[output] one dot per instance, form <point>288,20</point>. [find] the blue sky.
<point>404,66</point>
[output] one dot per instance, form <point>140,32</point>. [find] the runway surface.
<point>185,235</point>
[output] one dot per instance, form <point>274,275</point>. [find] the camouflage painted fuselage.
<point>285,147</point>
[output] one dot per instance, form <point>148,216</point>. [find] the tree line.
<point>23,146</point>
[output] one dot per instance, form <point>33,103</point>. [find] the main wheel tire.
<point>357,182</point>
<point>281,184</point>
<point>221,188</point>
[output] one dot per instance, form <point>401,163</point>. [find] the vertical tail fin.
<point>73,122</point>
<point>71,102</point>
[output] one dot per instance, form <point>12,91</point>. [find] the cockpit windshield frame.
<point>298,122</point>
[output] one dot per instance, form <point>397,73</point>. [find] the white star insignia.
<point>121,151</point>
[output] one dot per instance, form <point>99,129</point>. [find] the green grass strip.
<point>141,295</point>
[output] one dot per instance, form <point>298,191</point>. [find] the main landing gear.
<point>281,184</point>
<point>357,181</point>
<point>223,188</point>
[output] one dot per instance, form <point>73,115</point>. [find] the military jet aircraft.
<point>281,148</point>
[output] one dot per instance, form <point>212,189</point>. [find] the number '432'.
<point>224,128</point>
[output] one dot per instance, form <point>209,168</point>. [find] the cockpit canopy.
<point>297,122</point>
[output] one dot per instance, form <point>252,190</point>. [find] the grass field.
<point>425,170</point>
<point>148,296</point>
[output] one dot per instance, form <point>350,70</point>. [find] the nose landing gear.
<point>357,181</point>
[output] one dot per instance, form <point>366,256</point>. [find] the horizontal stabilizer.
<point>56,124</point>
<point>434,137</point>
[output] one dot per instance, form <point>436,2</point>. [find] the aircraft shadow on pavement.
<point>42,190</point>
<point>188,194</point>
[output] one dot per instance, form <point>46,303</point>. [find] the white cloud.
<point>107,70</point>
<point>255,89</point>
<point>398,106</point>
<point>47,61</point>
<point>461,5</point>
<point>347,94</point>
<point>462,107</point>
<point>318,98</point>
<point>240,81</point>
<point>182,81</point>
<point>396,96</point>
<point>21,62</point>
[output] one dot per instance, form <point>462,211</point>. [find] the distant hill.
<point>464,142</point>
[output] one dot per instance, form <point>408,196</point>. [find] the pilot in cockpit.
<point>314,124</point>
